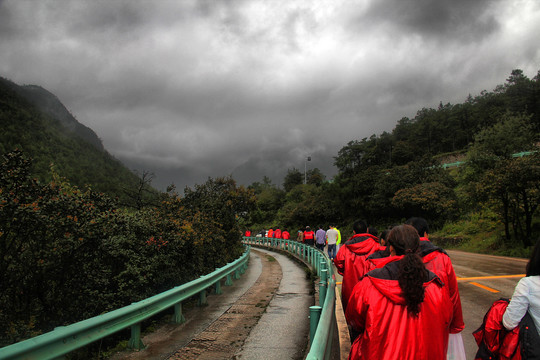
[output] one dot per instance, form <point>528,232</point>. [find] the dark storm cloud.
<point>6,26</point>
<point>457,20</point>
<point>191,89</point>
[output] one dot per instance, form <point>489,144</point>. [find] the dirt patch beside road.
<point>224,334</point>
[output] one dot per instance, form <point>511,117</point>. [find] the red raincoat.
<point>437,261</point>
<point>351,262</point>
<point>377,311</point>
<point>494,341</point>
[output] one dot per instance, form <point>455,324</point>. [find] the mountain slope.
<point>49,104</point>
<point>35,121</point>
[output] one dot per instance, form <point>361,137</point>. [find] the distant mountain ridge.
<point>35,121</point>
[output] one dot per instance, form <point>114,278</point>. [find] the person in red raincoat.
<point>350,260</point>
<point>309,236</point>
<point>400,310</point>
<point>438,261</point>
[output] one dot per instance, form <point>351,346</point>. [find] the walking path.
<point>264,315</point>
<point>283,330</point>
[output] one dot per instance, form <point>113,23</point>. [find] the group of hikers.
<point>401,300</point>
<point>320,238</point>
<point>399,293</point>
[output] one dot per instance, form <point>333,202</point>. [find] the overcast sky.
<point>192,89</point>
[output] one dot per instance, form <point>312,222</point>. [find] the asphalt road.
<point>482,279</point>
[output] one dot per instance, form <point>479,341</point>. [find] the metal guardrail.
<point>323,316</point>
<point>460,163</point>
<point>65,339</point>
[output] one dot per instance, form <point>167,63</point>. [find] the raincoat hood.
<point>358,244</point>
<point>385,279</point>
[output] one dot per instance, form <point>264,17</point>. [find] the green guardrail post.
<point>322,263</point>
<point>202,298</point>
<point>228,282</point>
<point>323,287</point>
<point>178,314</point>
<point>218,287</point>
<point>324,272</point>
<point>135,342</point>
<point>322,292</point>
<point>314,316</point>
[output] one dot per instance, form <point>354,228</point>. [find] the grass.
<point>479,232</point>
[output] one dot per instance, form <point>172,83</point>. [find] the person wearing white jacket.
<point>526,299</point>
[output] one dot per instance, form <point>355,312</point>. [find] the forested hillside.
<point>69,250</point>
<point>389,177</point>
<point>34,121</point>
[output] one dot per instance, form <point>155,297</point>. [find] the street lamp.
<point>305,167</point>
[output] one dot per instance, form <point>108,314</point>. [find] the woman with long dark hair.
<point>400,310</point>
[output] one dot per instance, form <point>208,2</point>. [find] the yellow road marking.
<point>485,287</point>
<point>490,277</point>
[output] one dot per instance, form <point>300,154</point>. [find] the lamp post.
<point>305,169</point>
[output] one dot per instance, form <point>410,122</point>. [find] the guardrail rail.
<point>64,339</point>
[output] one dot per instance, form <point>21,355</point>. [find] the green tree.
<point>315,177</point>
<point>494,177</point>
<point>293,178</point>
<point>512,188</point>
<point>222,201</point>
<point>431,200</point>
<point>269,200</point>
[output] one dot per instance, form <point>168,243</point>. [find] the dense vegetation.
<point>389,177</point>
<point>69,254</point>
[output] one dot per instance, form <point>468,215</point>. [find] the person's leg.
<point>332,251</point>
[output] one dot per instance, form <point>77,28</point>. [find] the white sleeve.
<point>519,304</point>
